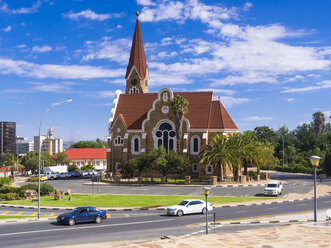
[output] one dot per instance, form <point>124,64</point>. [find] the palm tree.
<point>319,122</point>
<point>179,106</point>
<point>244,149</point>
<point>10,165</point>
<point>218,153</point>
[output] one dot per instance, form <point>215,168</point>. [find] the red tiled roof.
<point>220,119</point>
<point>202,113</point>
<point>137,55</point>
<point>86,153</point>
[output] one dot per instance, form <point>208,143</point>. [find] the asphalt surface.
<point>139,224</point>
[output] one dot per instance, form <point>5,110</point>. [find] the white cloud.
<point>247,6</point>
<point>90,15</point>
<point>114,50</point>
<point>146,2</point>
<point>297,77</point>
<point>228,92</point>
<point>41,49</point>
<point>320,85</point>
<point>119,26</point>
<point>51,87</point>
<point>24,10</point>
<point>7,29</point>
<point>258,118</point>
<point>229,101</point>
<point>104,94</point>
<point>31,70</point>
<point>290,99</point>
<point>164,54</point>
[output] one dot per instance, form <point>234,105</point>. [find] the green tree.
<point>319,123</point>
<point>244,149</point>
<point>87,167</point>
<point>89,144</point>
<point>218,153</point>
<point>73,167</point>
<point>180,107</point>
<point>143,163</point>
<point>9,163</point>
<point>177,163</point>
<point>327,163</point>
<point>265,134</point>
<point>61,158</point>
<point>128,168</point>
<point>30,160</point>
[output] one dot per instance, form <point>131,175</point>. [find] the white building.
<point>23,146</point>
<point>57,144</point>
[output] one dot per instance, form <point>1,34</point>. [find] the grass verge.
<point>126,200</point>
<point>3,217</point>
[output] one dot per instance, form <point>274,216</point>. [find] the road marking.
<point>108,216</point>
<point>83,227</point>
<point>19,213</point>
<point>5,212</point>
<point>272,208</point>
<point>35,213</point>
<point>145,214</point>
<point>302,204</point>
<point>241,211</point>
<point>126,215</point>
<point>52,214</point>
<point>327,201</point>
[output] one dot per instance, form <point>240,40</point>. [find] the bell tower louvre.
<point>137,72</point>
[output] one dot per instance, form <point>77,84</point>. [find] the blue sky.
<point>268,61</point>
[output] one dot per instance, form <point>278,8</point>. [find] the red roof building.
<point>83,156</point>
<point>140,121</point>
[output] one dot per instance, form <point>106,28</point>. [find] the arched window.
<point>166,136</point>
<point>134,90</point>
<point>195,145</point>
<point>135,145</point>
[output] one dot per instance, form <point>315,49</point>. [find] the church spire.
<point>137,72</point>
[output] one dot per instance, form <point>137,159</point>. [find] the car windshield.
<point>76,211</point>
<point>271,185</point>
<point>183,203</point>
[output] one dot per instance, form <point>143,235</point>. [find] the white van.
<point>51,175</point>
<point>273,188</point>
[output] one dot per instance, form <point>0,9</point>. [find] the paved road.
<point>295,184</point>
<point>154,224</point>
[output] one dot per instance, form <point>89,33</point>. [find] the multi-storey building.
<point>7,137</point>
<point>49,143</point>
<point>23,146</point>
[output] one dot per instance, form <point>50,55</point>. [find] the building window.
<point>166,136</point>
<point>118,166</point>
<point>118,141</point>
<point>135,145</point>
<point>195,167</point>
<point>134,90</point>
<point>145,83</point>
<point>195,145</point>
<point>209,169</point>
<point>165,97</point>
<point>98,163</point>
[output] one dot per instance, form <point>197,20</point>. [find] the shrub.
<point>46,189</point>
<point>8,189</point>
<point>9,197</point>
<point>5,181</point>
<point>73,167</point>
<point>30,186</point>
<point>252,173</point>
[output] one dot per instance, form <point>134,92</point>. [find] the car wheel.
<point>204,211</point>
<point>280,192</point>
<point>180,213</point>
<point>71,222</point>
<point>52,178</point>
<point>98,220</point>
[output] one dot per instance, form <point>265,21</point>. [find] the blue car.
<point>82,214</point>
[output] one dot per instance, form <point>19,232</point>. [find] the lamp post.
<point>314,160</point>
<point>40,151</point>
<point>206,191</point>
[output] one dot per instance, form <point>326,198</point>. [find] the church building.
<point>140,120</point>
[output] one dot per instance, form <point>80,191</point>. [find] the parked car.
<point>83,173</point>
<point>51,175</point>
<point>35,178</point>
<point>82,214</point>
<point>273,188</point>
<point>100,171</point>
<point>64,175</point>
<point>74,174</point>
<point>92,172</point>
<point>190,206</point>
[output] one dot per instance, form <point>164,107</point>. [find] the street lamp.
<point>314,160</point>
<point>206,191</point>
<point>40,151</point>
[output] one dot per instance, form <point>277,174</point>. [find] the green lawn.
<point>127,200</point>
<point>3,217</point>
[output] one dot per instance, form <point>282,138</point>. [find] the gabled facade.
<point>141,121</point>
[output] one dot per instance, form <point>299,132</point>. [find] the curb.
<point>259,222</point>
<point>26,220</point>
<point>240,185</point>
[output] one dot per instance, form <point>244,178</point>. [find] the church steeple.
<point>137,72</point>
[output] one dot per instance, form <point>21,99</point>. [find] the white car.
<point>190,206</point>
<point>64,175</point>
<point>51,175</point>
<point>273,188</point>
